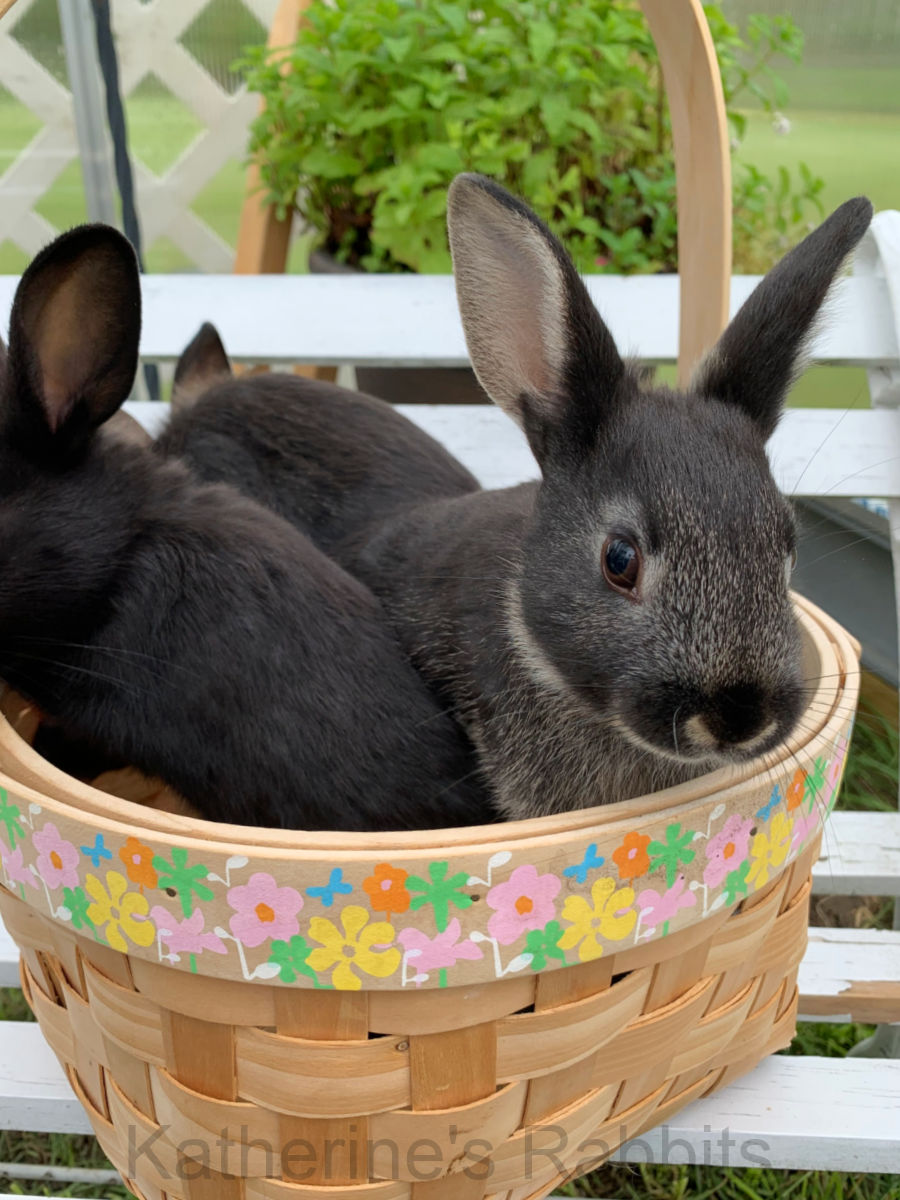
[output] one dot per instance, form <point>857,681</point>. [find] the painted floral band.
<point>388,925</point>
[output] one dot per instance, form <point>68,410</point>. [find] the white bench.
<point>790,1112</point>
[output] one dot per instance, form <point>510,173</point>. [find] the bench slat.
<point>851,975</point>
<point>412,320</point>
<point>34,1093</point>
<point>860,855</point>
<point>792,1112</point>
<point>809,1113</point>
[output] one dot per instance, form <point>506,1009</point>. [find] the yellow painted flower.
<point>769,850</point>
<point>116,908</point>
<point>605,917</point>
<point>353,948</point>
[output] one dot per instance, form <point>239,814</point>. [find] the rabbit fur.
<point>578,683</point>
<point>177,625</point>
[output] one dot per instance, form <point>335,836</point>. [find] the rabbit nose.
<point>733,718</point>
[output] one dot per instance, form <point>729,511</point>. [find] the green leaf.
<point>330,164</point>
<point>441,156</point>
<point>410,98</point>
<point>555,112</point>
<point>542,37</point>
<point>398,48</point>
<point>455,15</point>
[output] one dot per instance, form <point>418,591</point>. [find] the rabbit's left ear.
<point>537,343</point>
<point>202,363</point>
<point>73,337</point>
<point>758,356</point>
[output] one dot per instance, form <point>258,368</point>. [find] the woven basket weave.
<point>469,1014</point>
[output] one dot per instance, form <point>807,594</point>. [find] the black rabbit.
<point>177,625</point>
<point>331,461</point>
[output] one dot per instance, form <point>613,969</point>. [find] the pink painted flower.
<point>444,950</point>
<point>264,910</point>
<point>188,935</point>
<point>57,859</point>
<point>658,909</point>
<point>14,865</point>
<point>804,828</point>
<point>728,848</point>
<point>522,903</point>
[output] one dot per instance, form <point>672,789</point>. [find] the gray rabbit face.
<point>692,651</point>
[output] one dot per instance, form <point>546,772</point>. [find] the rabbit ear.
<point>73,340</point>
<point>538,345</point>
<point>202,362</point>
<point>758,356</point>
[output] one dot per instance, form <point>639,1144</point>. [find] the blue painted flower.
<point>96,852</point>
<point>590,862</point>
<point>334,887</point>
<point>775,799</point>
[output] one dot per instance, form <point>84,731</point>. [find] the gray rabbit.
<point>625,624</point>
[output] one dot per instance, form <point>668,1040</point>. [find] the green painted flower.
<point>76,901</point>
<point>736,882</point>
<point>672,853</point>
<point>10,815</point>
<point>440,892</point>
<point>290,957</point>
<point>542,944</point>
<point>815,783</point>
<point>182,879</point>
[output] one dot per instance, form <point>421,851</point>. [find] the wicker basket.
<point>469,1014</point>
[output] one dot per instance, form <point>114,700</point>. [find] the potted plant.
<point>379,103</point>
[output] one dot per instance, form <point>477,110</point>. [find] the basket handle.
<point>702,172</point>
<point>264,238</point>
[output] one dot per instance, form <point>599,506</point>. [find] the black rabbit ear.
<point>73,337</point>
<point>538,345</point>
<point>203,361</point>
<point>759,355</point>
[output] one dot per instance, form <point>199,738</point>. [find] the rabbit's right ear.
<point>73,339</point>
<point>537,343</point>
<point>203,362</point>
<point>759,355</point>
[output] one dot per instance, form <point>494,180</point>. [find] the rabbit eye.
<point>621,565</point>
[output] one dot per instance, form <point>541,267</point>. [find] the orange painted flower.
<point>138,860</point>
<point>631,857</point>
<point>796,790</point>
<point>386,889</point>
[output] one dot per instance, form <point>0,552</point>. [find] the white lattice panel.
<point>37,167</point>
<point>147,40</point>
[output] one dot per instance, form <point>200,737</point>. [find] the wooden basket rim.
<point>839,680</point>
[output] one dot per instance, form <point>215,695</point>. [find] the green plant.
<point>379,103</point>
